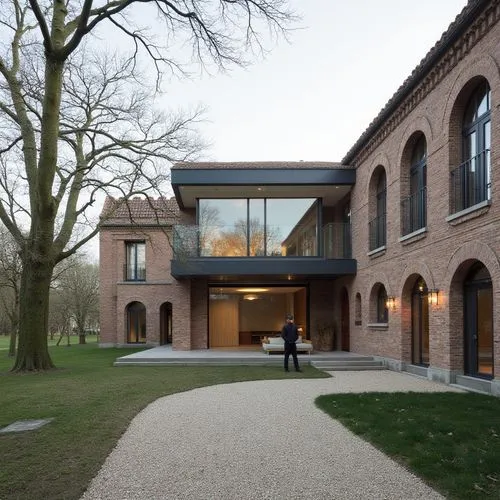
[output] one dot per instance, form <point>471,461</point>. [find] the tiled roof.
<point>258,164</point>
<point>456,28</point>
<point>139,211</point>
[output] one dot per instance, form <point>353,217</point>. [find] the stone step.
<point>198,361</point>
<point>346,362</point>
<point>351,368</point>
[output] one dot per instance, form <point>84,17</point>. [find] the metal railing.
<point>134,273</point>
<point>191,241</point>
<point>414,212</point>
<point>337,240</point>
<point>377,232</point>
<point>470,183</point>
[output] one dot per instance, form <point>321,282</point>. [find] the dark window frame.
<point>136,270</point>
<point>414,207</point>
<point>382,309</point>
<point>471,180</point>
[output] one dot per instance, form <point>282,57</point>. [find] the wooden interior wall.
<point>223,325</point>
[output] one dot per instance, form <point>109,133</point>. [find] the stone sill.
<point>157,282</point>
<point>378,326</point>
<point>469,213</point>
<point>412,237</point>
<point>377,252</point>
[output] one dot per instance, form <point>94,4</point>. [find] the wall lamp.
<point>391,303</point>
<point>434,297</point>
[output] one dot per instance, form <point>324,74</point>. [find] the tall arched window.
<point>377,226</point>
<point>382,310</point>
<point>414,207</point>
<point>471,181</point>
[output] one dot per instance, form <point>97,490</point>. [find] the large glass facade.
<point>258,227</point>
<point>245,315</point>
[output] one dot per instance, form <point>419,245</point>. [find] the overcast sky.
<point>312,98</point>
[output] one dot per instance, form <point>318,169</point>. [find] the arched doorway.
<point>344,320</point>
<point>478,322</point>
<point>136,323</point>
<point>420,323</point>
<point>166,323</point>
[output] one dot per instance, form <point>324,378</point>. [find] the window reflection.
<point>258,227</point>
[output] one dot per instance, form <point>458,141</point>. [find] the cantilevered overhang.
<point>331,184</point>
<point>230,268</point>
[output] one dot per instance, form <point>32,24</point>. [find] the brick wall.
<point>444,253</point>
<point>158,288</point>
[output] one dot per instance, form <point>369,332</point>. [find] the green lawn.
<point>5,340</point>
<point>451,440</point>
<point>92,403</point>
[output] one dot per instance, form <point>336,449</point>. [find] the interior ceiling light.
<point>253,290</point>
<point>250,296</point>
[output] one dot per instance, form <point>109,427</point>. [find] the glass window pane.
<point>291,227</point>
<point>257,228</point>
<point>223,227</point>
<point>130,260</point>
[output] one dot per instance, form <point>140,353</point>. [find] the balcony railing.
<point>134,273</point>
<point>377,232</point>
<point>470,182</point>
<point>225,241</point>
<point>414,212</point>
<point>337,240</point>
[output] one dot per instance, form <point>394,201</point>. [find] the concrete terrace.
<point>164,355</point>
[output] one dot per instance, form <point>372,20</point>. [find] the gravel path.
<point>257,440</point>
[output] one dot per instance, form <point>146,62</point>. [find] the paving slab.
<point>25,425</point>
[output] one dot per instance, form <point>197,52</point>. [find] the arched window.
<point>136,323</point>
<point>471,181</point>
<point>357,310</point>
<point>414,207</point>
<point>382,310</point>
<point>377,226</point>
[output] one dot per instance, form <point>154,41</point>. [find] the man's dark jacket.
<point>290,333</point>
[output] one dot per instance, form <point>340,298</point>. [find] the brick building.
<point>394,252</point>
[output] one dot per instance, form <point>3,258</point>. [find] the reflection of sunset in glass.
<point>258,227</point>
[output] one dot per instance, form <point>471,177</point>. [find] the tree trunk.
<point>82,339</point>
<point>32,352</point>
<point>12,343</point>
<point>14,325</point>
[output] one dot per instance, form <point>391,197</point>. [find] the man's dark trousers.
<point>291,348</point>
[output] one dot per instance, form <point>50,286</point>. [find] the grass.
<point>451,440</point>
<point>5,341</point>
<point>92,403</point>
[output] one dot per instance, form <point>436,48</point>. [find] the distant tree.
<point>74,124</point>
<point>10,282</point>
<point>79,285</point>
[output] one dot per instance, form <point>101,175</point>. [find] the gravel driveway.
<point>257,440</point>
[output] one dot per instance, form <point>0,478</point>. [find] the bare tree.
<point>60,316</point>
<point>79,287</point>
<point>73,125</point>
<point>10,280</point>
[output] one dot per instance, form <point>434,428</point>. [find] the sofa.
<point>277,344</point>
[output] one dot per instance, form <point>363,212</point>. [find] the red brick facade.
<point>431,104</point>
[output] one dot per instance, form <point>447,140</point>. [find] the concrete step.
<point>345,362</point>
<point>198,361</point>
<point>366,363</point>
<point>351,368</point>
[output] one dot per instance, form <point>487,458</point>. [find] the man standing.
<point>290,334</point>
